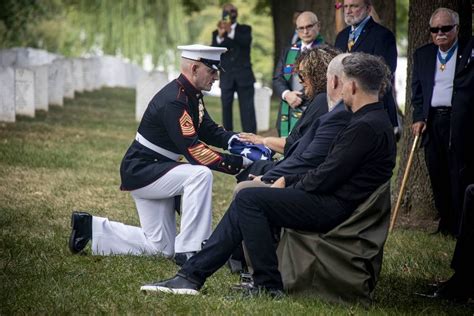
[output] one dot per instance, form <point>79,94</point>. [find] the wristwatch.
<point>338,5</point>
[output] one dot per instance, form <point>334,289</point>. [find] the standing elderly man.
<point>360,160</point>
<point>175,124</point>
<point>238,75</point>
<point>285,81</point>
<point>435,66</point>
<point>365,35</point>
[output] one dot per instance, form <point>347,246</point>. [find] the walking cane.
<point>404,181</point>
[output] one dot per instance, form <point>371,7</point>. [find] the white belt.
<point>164,152</point>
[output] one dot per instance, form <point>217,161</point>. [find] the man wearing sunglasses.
<point>435,67</point>
<point>365,35</point>
<point>285,82</point>
<point>174,125</point>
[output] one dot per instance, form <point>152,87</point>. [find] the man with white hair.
<point>174,125</point>
<point>435,66</point>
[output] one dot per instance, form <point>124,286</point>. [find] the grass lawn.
<point>69,159</point>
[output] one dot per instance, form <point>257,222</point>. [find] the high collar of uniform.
<point>369,107</point>
<point>188,87</point>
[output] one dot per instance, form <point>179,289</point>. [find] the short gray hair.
<point>371,72</point>
<point>454,15</point>
<point>335,66</point>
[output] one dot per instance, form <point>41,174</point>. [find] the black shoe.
<point>456,289</point>
<point>180,258</point>
<point>81,224</point>
<point>175,285</point>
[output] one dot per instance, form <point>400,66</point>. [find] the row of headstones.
<point>149,85</point>
<point>32,79</point>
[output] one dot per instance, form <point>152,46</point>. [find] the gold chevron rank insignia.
<point>186,124</point>
<point>203,154</point>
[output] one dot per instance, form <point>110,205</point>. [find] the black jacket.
<point>310,150</point>
<point>171,121</point>
<point>236,61</point>
<point>377,40</point>
<point>360,159</point>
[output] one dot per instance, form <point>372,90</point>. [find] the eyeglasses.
<point>443,29</point>
<point>304,28</point>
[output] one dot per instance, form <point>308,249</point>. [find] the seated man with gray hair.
<point>359,161</point>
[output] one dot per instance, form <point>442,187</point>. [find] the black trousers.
<point>463,258</point>
<point>246,105</point>
<point>250,218</point>
<point>438,162</point>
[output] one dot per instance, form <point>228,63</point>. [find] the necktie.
<point>351,41</point>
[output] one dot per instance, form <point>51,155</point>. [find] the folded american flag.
<point>253,152</point>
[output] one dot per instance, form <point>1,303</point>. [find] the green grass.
<point>69,158</point>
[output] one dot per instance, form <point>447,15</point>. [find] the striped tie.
<point>350,42</point>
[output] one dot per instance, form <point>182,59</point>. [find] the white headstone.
<point>147,87</point>
<point>136,73</point>
<point>97,68</point>
<point>34,57</point>
<point>41,86</point>
<point>262,100</point>
<point>68,79</point>
<point>24,92</point>
<point>7,57</point>
<point>88,71</point>
<point>55,84</point>
<point>78,74</point>
<point>7,94</point>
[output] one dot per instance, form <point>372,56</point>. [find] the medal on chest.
<point>201,111</point>
<point>444,61</point>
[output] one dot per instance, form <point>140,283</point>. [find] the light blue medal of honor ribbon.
<point>445,60</point>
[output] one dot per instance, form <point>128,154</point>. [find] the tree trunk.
<point>387,13</point>
<point>417,199</point>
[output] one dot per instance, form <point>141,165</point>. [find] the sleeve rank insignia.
<point>203,154</point>
<point>186,124</point>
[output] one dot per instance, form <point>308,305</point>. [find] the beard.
<point>352,20</point>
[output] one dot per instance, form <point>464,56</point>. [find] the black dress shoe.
<point>457,289</point>
<point>81,224</point>
<point>175,285</point>
<point>180,258</point>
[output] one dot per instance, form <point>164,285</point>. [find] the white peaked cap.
<point>197,51</point>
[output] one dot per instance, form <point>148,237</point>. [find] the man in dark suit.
<point>359,161</point>
<point>285,84</point>
<point>438,113</point>
<point>237,75</point>
<point>365,35</point>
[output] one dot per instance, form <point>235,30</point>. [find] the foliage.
<point>68,158</point>
<point>132,29</point>
<point>201,25</point>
